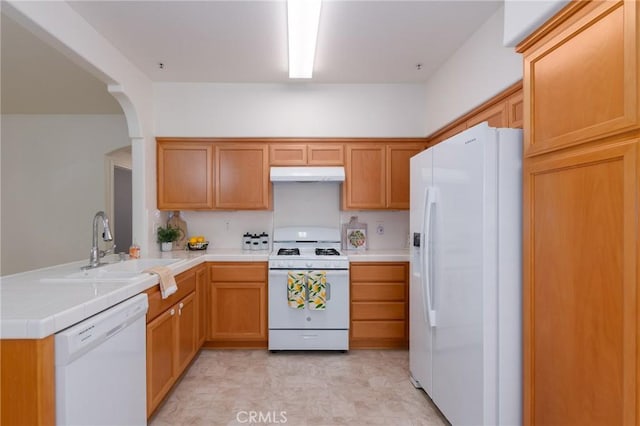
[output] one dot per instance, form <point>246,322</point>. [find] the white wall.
<point>53,182</point>
<point>348,110</point>
<point>291,110</point>
<point>522,17</point>
<point>311,204</point>
<point>58,24</point>
<point>479,70</point>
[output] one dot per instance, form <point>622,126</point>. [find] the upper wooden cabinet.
<point>398,174</point>
<point>225,174</point>
<point>365,180</point>
<point>306,154</point>
<point>581,76</point>
<point>377,175</point>
<point>242,176</point>
<point>515,109</point>
<point>496,115</point>
<point>185,175</point>
<point>506,109</point>
<point>204,175</point>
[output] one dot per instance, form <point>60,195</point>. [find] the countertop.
<point>33,309</point>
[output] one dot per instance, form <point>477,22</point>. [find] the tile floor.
<point>298,388</point>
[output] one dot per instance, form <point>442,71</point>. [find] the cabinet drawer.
<point>235,272</point>
<point>186,284</point>
<point>287,154</point>
<point>325,154</point>
<point>377,329</point>
<point>378,311</point>
<point>378,272</point>
<point>377,291</point>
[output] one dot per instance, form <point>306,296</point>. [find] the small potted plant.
<point>166,237</point>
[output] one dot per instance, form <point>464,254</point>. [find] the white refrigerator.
<point>465,282</point>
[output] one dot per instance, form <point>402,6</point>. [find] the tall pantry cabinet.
<point>581,195</point>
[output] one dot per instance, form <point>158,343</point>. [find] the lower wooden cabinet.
<point>172,337</point>
<point>580,289</point>
<point>202,302</point>
<point>238,305</point>
<point>379,305</point>
<point>162,371</point>
<point>27,382</point>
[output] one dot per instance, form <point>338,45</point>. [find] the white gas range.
<point>308,290</point>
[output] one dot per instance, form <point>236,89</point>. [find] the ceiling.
<point>359,41</point>
<point>237,41</point>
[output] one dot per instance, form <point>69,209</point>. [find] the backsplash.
<point>225,229</point>
<point>395,226</point>
<point>297,203</point>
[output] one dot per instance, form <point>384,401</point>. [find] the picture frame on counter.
<point>354,235</point>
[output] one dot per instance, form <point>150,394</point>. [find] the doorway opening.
<point>119,196</point>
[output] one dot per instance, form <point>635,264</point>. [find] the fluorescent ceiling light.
<point>303,17</point>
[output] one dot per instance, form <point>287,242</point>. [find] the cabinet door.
<point>187,332</point>
<point>581,80</point>
<point>325,154</point>
<point>364,186</point>
<point>185,175</point>
<point>287,154</point>
<point>580,298</point>
<point>238,311</point>
<point>202,285</point>
<point>398,175</point>
<point>496,115</point>
<point>242,177</point>
<point>162,335</point>
<point>515,106</point>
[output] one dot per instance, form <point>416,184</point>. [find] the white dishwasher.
<point>101,368</point>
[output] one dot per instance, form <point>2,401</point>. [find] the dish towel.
<point>317,283</point>
<point>296,289</point>
<point>168,284</point>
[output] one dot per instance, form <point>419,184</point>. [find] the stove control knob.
<point>290,265</point>
<point>308,264</point>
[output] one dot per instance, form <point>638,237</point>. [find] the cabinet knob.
<point>172,311</point>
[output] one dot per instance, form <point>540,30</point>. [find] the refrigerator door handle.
<point>429,202</point>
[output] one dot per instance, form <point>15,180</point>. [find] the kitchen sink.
<point>128,270</point>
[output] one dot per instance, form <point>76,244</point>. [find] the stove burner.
<point>327,252</point>
<point>289,252</point>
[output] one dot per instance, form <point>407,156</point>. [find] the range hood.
<point>307,174</point>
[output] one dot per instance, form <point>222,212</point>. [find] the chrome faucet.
<point>96,254</point>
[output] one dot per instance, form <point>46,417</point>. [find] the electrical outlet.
<point>380,229</point>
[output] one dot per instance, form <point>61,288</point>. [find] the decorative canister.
<point>246,241</point>
<point>255,242</point>
<point>264,241</point>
